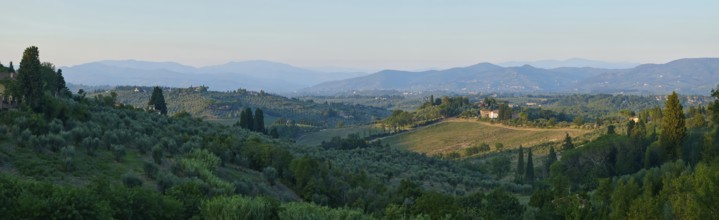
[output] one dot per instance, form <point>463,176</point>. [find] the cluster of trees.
<point>670,175</point>
<point>525,173</point>
<point>429,112</point>
<point>37,83</point>
<point>252,122</point>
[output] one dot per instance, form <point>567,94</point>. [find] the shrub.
<point>131,180</point>
<point>118,151</point>
<point>157,154</point>
<point>270,174</point>
<point>150,169</point>
<point>67,155</point>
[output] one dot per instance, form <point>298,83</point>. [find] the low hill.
<point>457,134</point>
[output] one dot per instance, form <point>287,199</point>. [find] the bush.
<point>270,174</point>
<point>67,155</point>
<point>131,180</point>
<point>157,154</point>
<point>118,151</point>
<point>150,170</point>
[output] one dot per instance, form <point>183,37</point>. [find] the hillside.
<point>457,134</point>
<point>688,76</point>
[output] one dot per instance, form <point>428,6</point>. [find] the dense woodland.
<point>75,156</point>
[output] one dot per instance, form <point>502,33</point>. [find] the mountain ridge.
<point>253,75</point>
<point>687,75</point>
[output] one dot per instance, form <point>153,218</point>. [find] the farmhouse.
<point>6,100</point>
<point>491,114</point>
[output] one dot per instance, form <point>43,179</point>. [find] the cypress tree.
<point>567,143</point>
<point>259,121</point>
<point>551,158</point>
<point>610,130</point>
<point>157,100</point>
<point>246,120</point>
<point>673,129</point>
<point>710,150</point>
<point>274,133</point>
<point>630,128</point>
<point>61,86</point>
<point>243,119</point>
<point>520,163</point>
<point>11,68</point>
<point>29,78</point>
<point>529,172</point>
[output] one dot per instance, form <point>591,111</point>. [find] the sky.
<point>361,34</point>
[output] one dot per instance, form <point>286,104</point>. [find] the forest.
<point>77,155</point>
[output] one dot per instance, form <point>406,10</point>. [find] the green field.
<point>316,138</point>
<point>457,134</point>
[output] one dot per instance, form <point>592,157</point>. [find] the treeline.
<point>670,174</point>
<point>431,111</point>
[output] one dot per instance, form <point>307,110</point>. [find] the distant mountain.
<point>479,77</point>
<point>574,62</point>
<point>253,75</point>
<point>688,76</point>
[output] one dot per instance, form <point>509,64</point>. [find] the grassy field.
<point>315,138</point>
<point>457,134</point>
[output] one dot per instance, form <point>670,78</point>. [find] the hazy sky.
<point>366,34</point>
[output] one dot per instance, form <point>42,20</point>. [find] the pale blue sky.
<point>366,34</point>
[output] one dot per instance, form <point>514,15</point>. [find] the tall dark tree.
<point>567,145</point>
<point>710,150</point>
<point>529,172</point>
<point>11,68</point>
<point>246,119</point>
<point>673,128</point>
<point>62,89</point>
<point>505,112</point>
<point>274,133</point>
<point>259,121</point>
<point>157,101</point>
<point>29,77</point>
<point>630,128</point>
<point>551,158</point>
<point>610,130</point>
<point>520,163</point>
